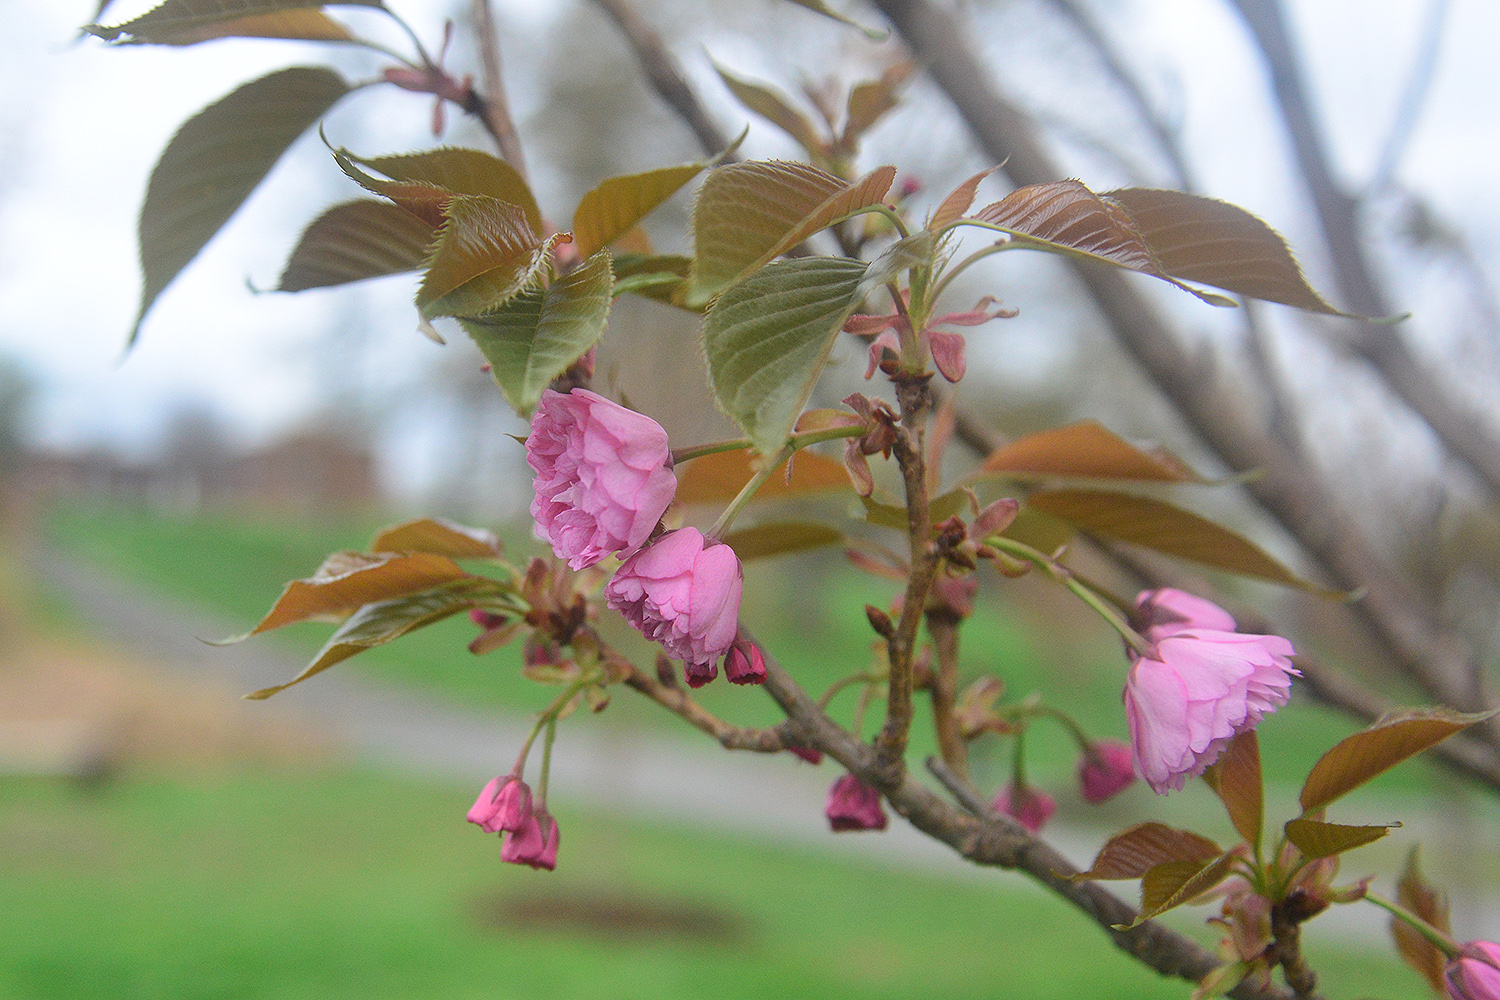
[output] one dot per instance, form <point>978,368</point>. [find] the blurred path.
<point>651,774</point>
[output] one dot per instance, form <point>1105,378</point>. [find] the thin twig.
<point>494,108</point>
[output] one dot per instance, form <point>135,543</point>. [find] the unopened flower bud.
<point>534,845</point>
<point>505,804</point>
<point>1104,771</point>
<point>854,805</point>
<point>1030,807</point>
<point>745,664</point>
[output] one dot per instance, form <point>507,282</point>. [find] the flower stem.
<point>737,504</point>
<point>1441,941</point>
<point>546,762</point>
<point>1063,575</point>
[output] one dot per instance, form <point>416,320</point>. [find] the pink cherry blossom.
<point>534,845</point>
<point>1475,973</point>
<point>1031,807</point>
<point>1201,686</point>
<point>1169,610</point>
<point>854,805</point>
<point>684,593</point>
<point>505,804</point>
<point>1105,771</point>
<point>602,475</point>
<point>745,664</point>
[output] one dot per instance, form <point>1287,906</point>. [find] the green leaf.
<point>1316,839</point>
<point>776,109</point>
<point>1415,893</point>
<point>440,537</point>
<point>768,337</point>
<point>428,202</point>
<point>781,537</point>
<point>908,252</point>
<point>1216,243</point>
<point>1235,778</point>
<point>1358,758</point>
<point>610,210</point>
<point>213,163</point>
<point>748,213</point>
<point>356,240</point>
<point>1066,217</point>
<point>1087,450</point>
<point>183,22</point>
<point>460,171</point>
<point>379,623</point>
<point>485,254</point>
<point>1165,528</point>
<point>1134,852</point>
<point>348,580</point>
<point>819,7</point>
<point>1172,883</point>
<point>538,334</point>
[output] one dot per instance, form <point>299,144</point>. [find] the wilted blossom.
<point>684,593</point>
<point>1200,686</point>
<point>603,479</point>
<point>1104,771</point>
<point>505,804</point>
<point>745,664</point>
<point>535,844</point>
<point>854,805</point>
<point>1475,973</point>
<point>1031,807</point>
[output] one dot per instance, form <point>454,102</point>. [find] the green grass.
<point>236,566</point>
<point>248,883</point>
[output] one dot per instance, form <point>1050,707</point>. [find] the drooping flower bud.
<point>1031,807</point>
<point>1475,973</point>
<point>745,663</point>
<point>534,845</point>
<point>505,804</point>
<point>1104,771</point>
<point>854,805</point>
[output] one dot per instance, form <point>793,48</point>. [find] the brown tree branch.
<point>494,109</point>
<point>1465,432</point>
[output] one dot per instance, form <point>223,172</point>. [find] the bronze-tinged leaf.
<point>957,204</point>
<point>379,623</point>
<point>305,25</point>
<point>348,580</point>
<point>1172,883</point>
<point>1066,217</point>
<point>1216,243</point>
<point>718,478</point>
<point>871,100</point>
<point>1158,525</point>
<point>428,202</point>
<point>861,194</point>
<point>182,22</point>
<point>354,241</point>
<point>1417,895</point>
<point>213,163</point>
<point>612,208</point>
<point>780,538</point>
<point>440,537</point>
<point>461,171</point>
<point>1316,839</point>
<point>774,108</point>
<point>1358,758</point>
<point>1235,777</point>
<point>1087,450</point>
<point>485,254</point>
<point>1134,852</point>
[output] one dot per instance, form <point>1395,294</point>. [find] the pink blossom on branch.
<point>854,805</point>
<point>1475,973</point>
<point>683,592</point>
<point>1200,687</point>
<point>603,476</point>
<point>1105,771</point>
<point>1167,610</point>
<point>534,845</point>
<point>1031,807</point>
<point>505,804</point>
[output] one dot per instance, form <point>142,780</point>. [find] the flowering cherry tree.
<point>536,298</point>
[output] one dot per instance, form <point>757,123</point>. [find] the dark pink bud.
<point>994,519</point>
<point>1104,771</point>
<point>485,619</point>
<point>909,186</point>
<point>811,756</point>
<point>505,804</point>
<point>1028,806</point>
<point>745,663</point>
<point>854,805</point>
<point>699,674</point>
<point>534,845</point>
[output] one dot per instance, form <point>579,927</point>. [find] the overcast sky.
<point>81,125</point>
